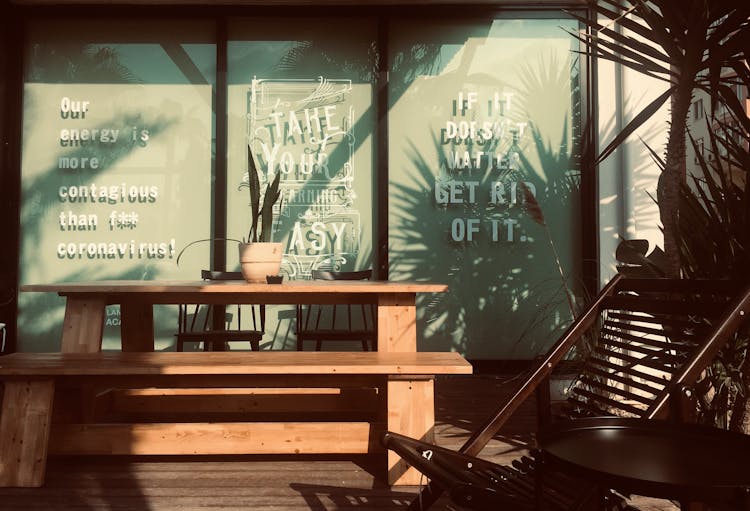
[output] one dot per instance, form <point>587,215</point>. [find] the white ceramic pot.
<point>260,259</point>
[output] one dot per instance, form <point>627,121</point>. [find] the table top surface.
<point>651,457</point>
<point>237,286</point>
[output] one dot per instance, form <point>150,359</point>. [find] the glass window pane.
<point>484,195</point>
<point>301,98</point>
<point>116,159</point>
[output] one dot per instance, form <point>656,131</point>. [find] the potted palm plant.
<point>688,45</point>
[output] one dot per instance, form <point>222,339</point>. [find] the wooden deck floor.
<point>272,483</point>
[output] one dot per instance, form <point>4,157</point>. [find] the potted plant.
<point>259,256</point>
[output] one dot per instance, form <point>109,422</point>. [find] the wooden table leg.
<point>83,325</point>
<point>397,323</point>
<point>411,412</point>
<point>137,326</point>
<point>24,431</point>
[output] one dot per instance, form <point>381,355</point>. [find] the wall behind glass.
<point>484,118</point>
<point>300,99</point>
<point>116,160</point>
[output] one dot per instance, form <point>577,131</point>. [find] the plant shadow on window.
<point>356,61</point>
<point>511,296</point>
<point>42,313</point>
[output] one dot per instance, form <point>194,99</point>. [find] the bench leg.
<point>83,325</point>
<point>411,412</point>
<point>24,431</point>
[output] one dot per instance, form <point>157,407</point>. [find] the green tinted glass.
<point>484,117</point>
<point>117,154</point>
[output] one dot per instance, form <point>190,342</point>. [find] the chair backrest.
<point>648,339</point>
<point>234,311</point>
<point>341,275</point>
<point>649,332</point>
<point>327,322</point>
<point>198,318</point>
<point>221,275</point>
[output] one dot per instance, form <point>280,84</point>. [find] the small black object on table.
<point>653,458</point>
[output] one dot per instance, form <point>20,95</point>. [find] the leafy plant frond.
<point>634,124</point>
<point>532,206</point>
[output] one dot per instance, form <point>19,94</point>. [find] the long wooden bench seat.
<point>54,403</point>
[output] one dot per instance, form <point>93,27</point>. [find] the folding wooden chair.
<point>651,340</point>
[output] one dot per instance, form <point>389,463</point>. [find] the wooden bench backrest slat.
<point>598,386</point>
<point>583,405</point>
<point>676,350</point>
<point>635,345</point>
<point>644,286</point>
<point>626,360</point>
<point>628,372</point>
<point>630,326</point>
<point>664,306</point>
<point>670,324</point>
<point>604,402</point>
<point>275,362</point>
<point>650,336</point>
<point>648,332</point>
<point>634,383</point>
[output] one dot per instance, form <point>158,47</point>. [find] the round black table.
<point>653,458</point>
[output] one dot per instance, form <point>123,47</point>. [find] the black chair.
<point>214,325</point>
<point>648,342</point>
<point>321,323</point>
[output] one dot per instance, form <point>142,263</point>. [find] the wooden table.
<point>406,402</point>
<point>86,301</point>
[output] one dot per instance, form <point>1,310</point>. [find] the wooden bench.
<point>87,392</point>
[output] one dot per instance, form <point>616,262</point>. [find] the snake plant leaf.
<point>269,199</point>
<point>254,186</point>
